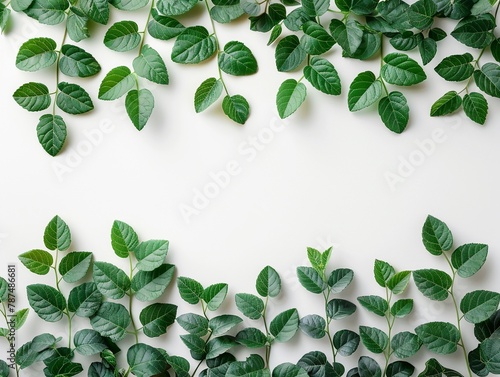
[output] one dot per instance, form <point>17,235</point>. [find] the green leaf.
<point>20,318</point>
<point>433,284</point>
<point>145,360</point>
<point>398,283</point>
<point>251,338</point>
<point>35,54</point>
<point>437,34</point>
<point>469,258</point>
<point>296,18</point>
<point>253,366</point>
<point>20,5</point>
<point>73,99</point>
<point>174,7</point>
<point>474,31</point>
<point>223,323</point>
<point>340,279</point>
<point>456,67</point>
<point>447,104</point>
<point>4,369</point>
<point>250,7</point>
<point>217,346</point>
<point>57,235</point>
<point>475,107</point>
<point>436,236</point>
<point>284,326</point>
<point>349,35</point>
<point>346,342</point>
<point>207,93</point>
<point>236,108</point>
<point>316,364</point>
<point>405,344</point>
<point>316,40</point>
<point>315,8</point>
<point>84,300</point>
<point>116,83</point>
<point>77,26</point>
<point>46,301</point>
<point>32,96</point>
<point>190,290</point>
<point>439,337</point>
<point>291,94</point>
<point>383,271</point>
<point>311,280</point>
<point>151,254</point>
<point>214,295</point>
<point>421,14</point>
<point>193,46</point>
<point>37,261</point>
<point>478,306</point>
<point>488,79</point>
<point>289,54</point>
<point>364,91</point>
<point>490,353</point>
<point>405,41</point>
<point>150,65</point>
<point>402,308</point>
<point>139,106</point>
<point>195,344</point>
<point>110,280</point>
<point>394,111</point>
<point>124,239</point>
<point>289,370</point>
<point>97,369</point>
<point>316,259</point>
<point>237,59</point>
<point>150,285</point>
<point>262,23</point>
<point>323,76</point>
<point>163,27</point>
<point>275,33</point>
<point>96,10</point>
<point>76,62</point>
<point>374,304</point>
<point>268,282</point>
<point>313,325</point>
<point>193,323</point>
<point>225,13</point>
<point>51,132</point>
<point>156,318</point>
<point>48,12</point>
<point>122,36</point>
<point>249,305</point>
<point>339,308</point>
<point>368,367</point>
<point>428,49</point>
<point>33,351</point>
<point>75,266</point>
<point>4,17</point>
<point>89,342</point>
<point>374,339</point>
<point>400,369</point>
<point>370,45</point>
<point>400,69</point>
<point>111,320</point>
<point>63,367</point>
<point>495,49</point>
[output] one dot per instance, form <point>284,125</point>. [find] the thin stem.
<point>390,323</point>
<point>268,345</point>
<point>146,27</point>
<point>326,296</point>
<point>131,300</point>
<point>58,280</point>
<point>57,70</point>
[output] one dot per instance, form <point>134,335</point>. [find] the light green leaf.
<point>400,69</point>
<point>489,351</point>
<point>488,79</point>
<point>226,11</point>
<point>84,300</point>
<point>20,318</point>
<point>250,305</point>
<point>346,342</point>
<point>76,62</point>
<point>193,46</point>
<point>110,280</point>
<point>193,323</point>
<point>237,59</point>
<point>251,338</point>
<point>190,290</point>
<point>402,308</point>
<point>383,271</point>
<point>51,132</point>
<point>316,40</point>
<point>48,12</point>
<point>475,107</point>
<point>394,111</point>
<point>73,99</point>
<point>340,279</point>
<point>46,301</point>
<point>116,83</point>
<point>311,279</point>
<point>214,295</point>
<point>478,306</point>
<point>111,320</point>
<point>156,318</point>
<point>284,326</point>
<point>139,106</point>
<point>145,360</point>
<point>223,323</point>
<point>339,308</point>
<point>374,339</point>
<point>250,7</point>
<point>323,76</point>
<point>433,284</point>
<point>313,325</point>
<point>122,36</point>
<point>469,258</point>
<point>207,93</point>
<point>74,266</point>
<point>405,344</point>
<point>289,53</point>
<point>236,108</point>
<point>456,67</point>
<point>20,5</point>
<point>374,304</point>
<point>89,342</point>
<point>124,239</point>
<point>439,337</point>
<point>398,283</point>
<point>364,91</point>
<point>163,27</point>
<point>150,65</point>
<point>37,261</point>
<point>400,369</point>
<point>291,95</point>
<point>150,285</point>
<point>175,7</point>
<point>436,236</point>
<point>77,25</point>
<point>4,17</point>
<point>268,282</point>
<point>32,96</point>
<point>35,54</point>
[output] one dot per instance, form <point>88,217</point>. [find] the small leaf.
<point>405,344</point>
<point>421,14</point>
<point>313,325</point>
<point>156,318</point>
<point>374,304</point>
<point>237,59</point>
<point>374,339</point>
<point>163,27</point>
<point>36,54</point>
<point>116,83</point>
<point>124,239</point>
<point>150,65</point>
<point>46,301</point>
<point>478,306</point>
<point>275,33</point>
<point>190,290</point>
<point>323,76</point>
<point>76,62</point>
<point>20,318</point>
<point>284,326</point>
<point>129,5</point>
<point>174,7</point>
<point>75,266</point>
<point>436,236</point>
<point>89,342</point>
<point>223,323</point>
<point>402,308</point>
<point>456,67</point>
<point>139,106</point>
<point>77,26</point>
<point>394,111</point>
<point>111,320</point>
<point>447,104</point>
<point>469,258</point>
<point>84,300</point>
<point>291,94</point>
<point>73,99</point>
<point>32,96</point>
<point>151,254</point>
<point>368,367</point>
<point>150,285</point>
<point>400,369</point>
<point>268,282</point>
<point>311,280</point>
<point>214,295</point>
<point>122,36</point>
<point>400,69</point>
<point>289,54</point>
<point>193,46</point>
<point>346,342</point>
<point>251,338</point>
<point>340,279</point>
<point>249,305</point>
<point>433,284</point>
<point>439,337</point>
<point>339,308</point>
<point>349,35</point>
<point>236,108</point>
<point>383,271</point>
<point>193,323</point>
<point>437,34</point>
<point>427,48</point>
<point>364,91</point>
<point>110,280</point>
<point>207,93</point>
<point>316,40</point>
<point>37,261</point>
<point>475,107</point>
<point>51,132</point>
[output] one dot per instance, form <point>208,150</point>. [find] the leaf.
<point>156,318</point>
<point>174,7</point>
<point>122,36</point>
<point>214,295</point>
<point>383,271</point>
<point>400,369</point>
<point>339,308</point>
<point>193,323</point>
<point>195,344</point>
<point>405,344</point>
<point>316,40</point>
<point>474,31</point>
<point>275,33</point>
<point>163,27</point>
<point>489,351</point>
<point>485,329</point>
<point>20,318</point>
<point>340,279</point>
<point>4,369</point>
<point>75,266</point>
<point>48,12</point>
<point>400,69</point>
<point>437,34</point>
<point>359,7</point>
<point>179,365</point>
<point>478,306</point>
<point>51,132</point>
<point>311,280</point>
<point>268,282</point>
<point>349,35</point>
<point>374,304</point>
<point>96,10</point>
<point>236,108</point>
<point>475,107</point>
<point>237,59</point>
<point>84,300</point>
<point>250,7</point>
<point>99,370</point>
<point>370,45</point>
<point>111,320</point>
<point>313,325</point>
<point>398,283</point>
<point>223,323</point>
<point>315,8</point>
<point>36,54</point>
<point>207,93</point>
<point>37,261</point>
<point>139,106</point>
<point>150,65</point>
<point>190,290</point>
<point>110,280</point>
<point>218,346</point>
<point>253,366</point>
<point>77,26</point>
<point>402,308</point>
<point>346,342</point>
<point>289,370</point>
<point>225,13</point>
<point>289,54</point>
<point>151,254</point>
<point>296,18</point>
<point>469,258</point>
<point>20,5</point>
<point>488,79</point>
<point>421,14</point>
<point>33,351</point>
<point>62,366</point>
<point>394,111</point>
<point>76,62</point>
<point>439,337</point>
<point>124,239</point>
<point>150,285</point>
<point>433,284</point>
<point>251,338</point>
<point>436,236</point>
<point>145,360</point>
<point>447,104</point>
<point>405,41</point>
<point>374,339</point>
<point>291,94</point>
<point>249,305</point>
<point>32,96</point>
<point>116,83</point>
<point>323,76</point>
<point>89,342</point>
<point>456,67</point>
<point>46,301</point>
<point>428,49</point>
<point>284,326</point>
<point>193,46</point>
<point>364,91</point>
<point>73,99</point>
<point>316,364</point>
<point>368,367</point>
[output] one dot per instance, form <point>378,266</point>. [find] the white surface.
<point>320,181</point>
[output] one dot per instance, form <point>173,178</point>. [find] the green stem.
<point>326,296</point>
<point>390,324</point>
<point>131,300</point>
<point>58,280</point>
<point>57,70</point>
<point>268,345</point>
<point>146,27</point>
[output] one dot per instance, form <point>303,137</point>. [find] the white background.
<point>319,179</point>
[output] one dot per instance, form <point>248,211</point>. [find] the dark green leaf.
<point>275,33</point>
<point>193,46</point>
<point>488,79</point>
<point>73,99</point>
<point>315,8</point>
<point>284,326</point>
<point>374,339</point>
<point>421,14</point>
<point>400,369</point>
<point>51,132</point>
<point>313,325</point>
<point>339,308</point>
<point>394,112</point>
<point>139,106</point>
<point>291,94</point>
<point>46,301</point>
<point>214,295</point>
<point>402,308</point>
<point>76,62</point>
<point>193,323</point>
<point>400,69</point>
<point>237,59</point>
<point>405,344</point>
<point>207,93</point>
<point>163,27</point>
<point>74,266</point>
<point>446,104</point>
<point>124,239</point>
<point>311,279</point>
<point>77,26</point>
<point>436,236</point>
<point>456,67</point>
<point>89,342</point>
<point>316,40</point>
<point>439,337</point>
<point>194,343</point>
<point>189,289</point>
<point>253,366</point>
<point>340,279</point>
<point>96,10</point>
<point>35,54</point>
<point>383,271</point>
<point>474,31</point>
<point>296,18</point>
<point>156,318</point>
<point>251,338</point>
<point>32,96</point>
<point>151,254</point>
<point>476,108</point>
<point>364,91</point>
<point>226,13</point>
<point>478,306</point>
<point>217,346</point>
<point>174,7</point>
<point>48,12</point>
<point>223,323</point>
<point>437,34</point>
<point>349,35</point>
<point>434,284</point>
<point>490,353</point>
<point>145,360</point>
<point>110,280</point>
<point>367,367</point>
<point>346,342</point>
<point>150,65</point>
<point>236,108</point>
<point>111,320</point>
<point>37,261</point>
<point>122,36</point>
<point>428,49</point>
<point>374,304</point>
<point>289,54</point>
<point>250,305</point>
<point>268,282</point>
<point>84,300</point>
<point>62,367</point>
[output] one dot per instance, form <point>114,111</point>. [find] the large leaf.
<point>77,26</point>
<point>364,91</point>
<point>84,300</point>
<point>394,111</point>
<point>237,59</point>
<point>436,236</point>
<point>76,62</point>
<point>316,40</point>
<point>96,10</point>
<point>488,79</point>
<point>469,258</point>
<point>226,11</point>
<point>268,282</point>
<point>311,279</point>
<point>284,326</point>
<point>433,283</point>
<point>75,265</point>
<point>156,318</point>
<point>89,342</point>
<point>400,69</point>
<point>48,12</point>
<point>150,65</point>
<point>73,99</point>
<point>193,46</point>
<point>51,131</point>
<point>116,83</point>
<point>323,76</point>
<point>405,344</point>
<point>374,339</point>
<point>475,107</point>
<point>439,337</point>
<point>111,320</point>
<point>421,13</point>
<point>315,8</point>
<point>122,36</point>
<point>189,289</point>
<point>456,67</point>
<point>145,360</point>
<point>289,53</point>
<point>139,105</point>
<point>340,279</point>
<point>175,7</point>
<point>37,261</point>
<point>368,367</point>
<point>475,31</point>
<point>36,53</point>
<point>374,304</point>
<point>46,301</point>
<point>383,271</point>
<point>32,96</point>
<point>402,308</point>
<point>478,306</point>
<point>250,305</point>
<point>111,281</point>
<point>349,35</point>
<point>289,370</point>
<point>291,94</point>
<point>490,353</point>
<point>163,27</point>
<point>150,285</point>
